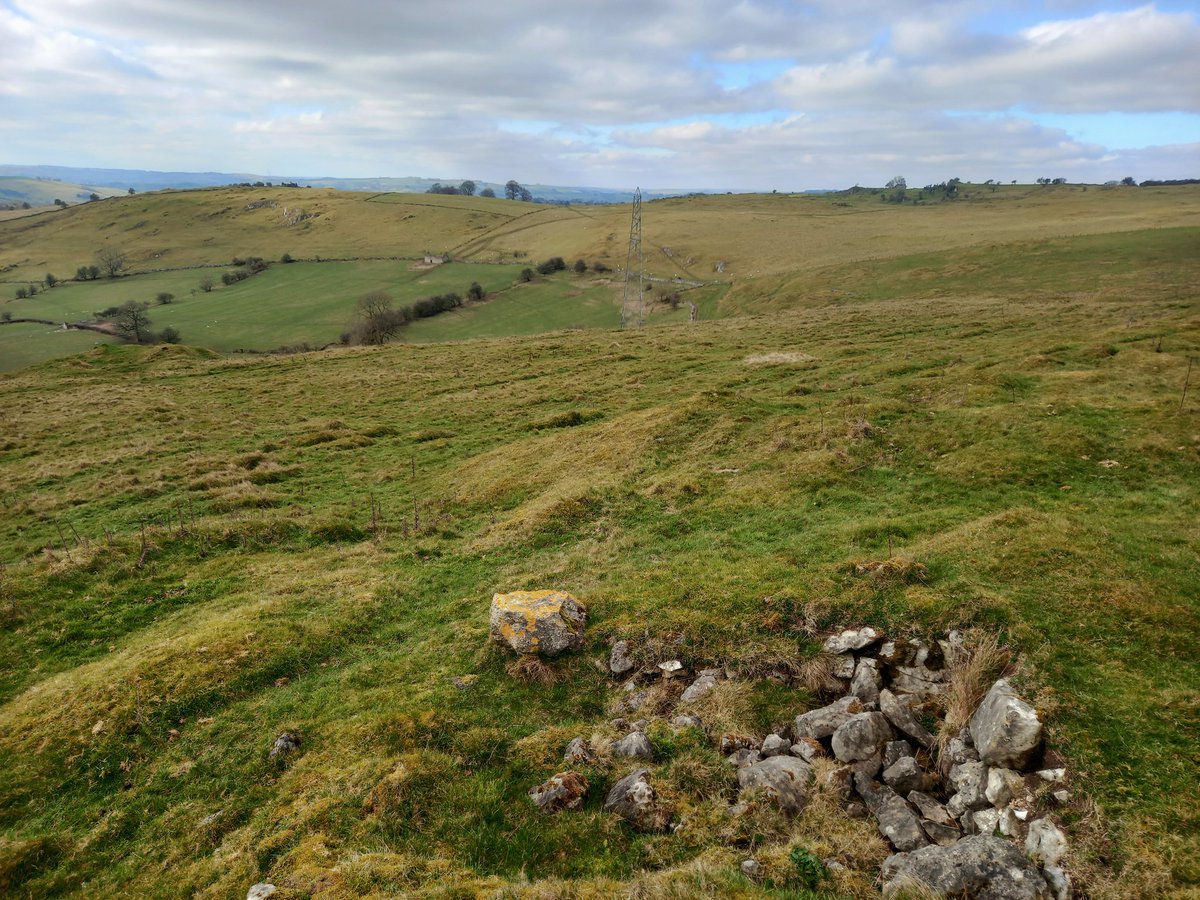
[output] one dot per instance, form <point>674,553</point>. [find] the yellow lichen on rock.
<point>544,622</point>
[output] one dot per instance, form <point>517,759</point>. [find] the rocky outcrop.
<point>544,623</point>
<point>634,745</point>
<point>784,778</point>
<point>981,867</point>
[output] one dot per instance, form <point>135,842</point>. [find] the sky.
<point>665,94</point>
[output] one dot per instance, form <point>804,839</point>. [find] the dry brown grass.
<point>970,675</point>
<point>530,669</point>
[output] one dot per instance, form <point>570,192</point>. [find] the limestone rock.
<point>751,868</point>
<point>853,639</point>
<point>870,766</point>
<point>895,653</point>
<point>931,809</point>
<point>286,744</point>
<point>1006,730</point>
<point>969,779</point>
<point>985,821</point>
<point>579,752</point>
<point>982,867</point>
<point>861,737</point>
<point>565,790</point>
<point>1046,842</point>
<point>618,661</point>
<point>918,681</point>
<point>893,751</point>
<point>959,751</point>
<point>784,778</point>
<point>1054,776</point>
<point>670,668</point>
<point>541,622</point>
<point>942,835</point>
<point>1003,785</point>
<point>905,776</point>
<point>823,722</point>
<point>808,749</point>
<point>731,743</point>
<point>902,718</point>
<point>839,782</point>
<point>1059,883</point>
<point>844,665</point>
<point>634,800</point>
<point>896,820</point>
<point>867,681</point>
<point>261,891</point>
<point>634,745</point>
<point>687,721</point>
<point>739,759</point>
<point>698,688</point>
<point>774,745</point>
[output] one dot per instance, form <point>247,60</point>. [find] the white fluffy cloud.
<point>688,93</point>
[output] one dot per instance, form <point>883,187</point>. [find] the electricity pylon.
<point>633,300</point>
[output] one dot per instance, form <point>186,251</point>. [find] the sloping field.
<point>200,553</point>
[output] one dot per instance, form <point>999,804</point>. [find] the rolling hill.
<point>203,551</point>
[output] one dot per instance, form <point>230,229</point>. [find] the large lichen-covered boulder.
<point>538,622</point>
<point>984,867</point>
<point>784,778</point>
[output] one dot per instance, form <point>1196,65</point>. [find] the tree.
<point>527,274</point>
<point>132,192</point>
<point>467,188</point>
<point>51,279</point>
<point>22,293</point>
<point>164,298</point>
<point>132,321</point>
<point>380,321</point>
<point>580,267</point>
<point>487,192</point>
<point>206,283</point>
<point>1128,181</point>
<point>111,261</point>
<point>512,190</point>
<point>897,182</point>
<point>169,335</point>
<point>476,291</point>
<point>93,196</point>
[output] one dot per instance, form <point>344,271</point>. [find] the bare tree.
<point>379,321</point>
<point>133,322</point>
<point>206,283</point>
<point>111,261</point>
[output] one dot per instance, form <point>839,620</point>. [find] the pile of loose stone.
<point>970,822</point>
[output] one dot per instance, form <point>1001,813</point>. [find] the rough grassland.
<point>705,488</point>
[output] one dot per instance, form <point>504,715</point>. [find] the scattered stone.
<point>895,653</point>
<point>928,655</point>
<point>856,811</point>
<point>985,821</point>
<point>959,751</point>
<point>634,800</point>
<point>541,622</point>
<point>784,778</point>
<point>931,809</point>
<point>952,646</point>
<point>942,835</point>
<point>618,661</point>
<point>861,736</point>
<point>636,700</point>
<point>988,868</point>
<point>1011,820</point>
<point>902,718</point>
<point>1054,776</point>
<point>893,751</point>
<point>808,749</point>
<point>261,891</point>
<point>687,721</point>
<point>918,681</point>
<point>896,820</point>
<point>1046,842</point>
<point>733,742</point>
<point>464,682</point>
<point>1003,785</point>
<point>670,668</point>
<point>871,766</point>
<point>1059,883</point>
<point>751,868</point>
<point>906,775</point>
<point>774,745</point>
<point>867,681</point>
<point>823,722</point>
<point>1006,729</point>
<point>843,666</point>
<point>634,745</point>
<point>285,745</point>
<point>852,639</point>
<point>839,781</point>
<point>1062,796</point>
<point>969,779</point>
<point>579,752</point>
<point>698,688</point>
<point>739,759</point>
<point>565,790</point>
<point>618,724</point>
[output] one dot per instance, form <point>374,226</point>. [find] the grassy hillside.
<point>43,191</point>
<point>705,488</point>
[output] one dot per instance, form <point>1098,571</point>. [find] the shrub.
<point>51,279</point>
<point>600,267</point>
<point>580,267</point>
<point>286,258</point>
<point>169,335</point>
<point>33,289</point>
<point>6,316</point>
<point>475,291</point>
<point>163,298</point>
<point>552,265</point>
<point>206,283</point>
<point>234,277</point>
<point>527,274</point>
<point>22,293</point>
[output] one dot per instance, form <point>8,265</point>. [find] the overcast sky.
<point>758,94</point>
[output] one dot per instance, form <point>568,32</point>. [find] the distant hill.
<point>18,190</point>
<point>147,180</point>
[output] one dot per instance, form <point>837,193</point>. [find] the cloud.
<point>669,92</point>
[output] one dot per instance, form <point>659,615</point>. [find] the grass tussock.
<point>972,671</point>
<point>531,669</point>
